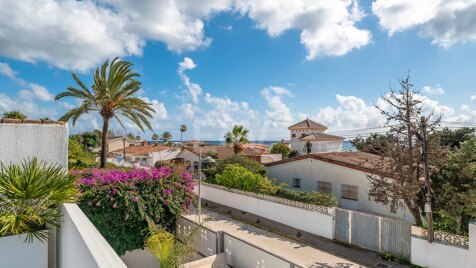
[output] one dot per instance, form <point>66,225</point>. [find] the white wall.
<point>240,254</point>
<point>438,255</point>
<point>47,142</point>
<point>140,258</point>
<point>317,146</point>
<point>205,240</point>
<point>81,245</point>
<point>307,220</point>
<point>310,171</point>
<point>15,253</point>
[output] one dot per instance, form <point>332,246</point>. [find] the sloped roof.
<point>143,150</point>
<point>356,160</point>
<point>321,137</point>
<point>308,124</point>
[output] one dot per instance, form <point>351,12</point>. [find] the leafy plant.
<point>238,177</point>
<point>293,153</point>
<point>280,148</point>
<point>14,115</point>
<point>112,95</point>
<point>120,203</point>
<point>30,197</point>
<point>78,157</point>
<point>170,252</point>
<point>316,198</point>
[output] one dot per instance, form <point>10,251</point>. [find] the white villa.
<point>308,133</point>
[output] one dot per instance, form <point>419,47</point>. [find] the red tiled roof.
<point>29,121</point>
<point>355,160</point>
<point>308,123</point>
<point>320,137</point>
<point>143,149</point>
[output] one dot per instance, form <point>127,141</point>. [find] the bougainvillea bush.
<point>120,203</point>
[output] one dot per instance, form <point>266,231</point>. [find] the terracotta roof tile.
<point>30,121</point>
<point>308,123</point>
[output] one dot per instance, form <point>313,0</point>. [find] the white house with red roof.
<point>308,136</point>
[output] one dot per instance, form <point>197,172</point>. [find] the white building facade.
<point>338,173</point>
<point>308,136</point>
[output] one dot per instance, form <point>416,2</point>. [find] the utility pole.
<point>199,184</point>
<point>423,139</point>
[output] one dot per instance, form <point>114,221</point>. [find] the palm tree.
<point>237,137</point>
<point>14,115</point>
<point>112,95</point>
<point>166,136</point>
<point>183,129</point>
<point>46,118</point>
<point>155,137</point>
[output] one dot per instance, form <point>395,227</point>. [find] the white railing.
<point>81,245</point>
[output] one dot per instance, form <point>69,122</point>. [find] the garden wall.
<point>444,254</point>
<point>310,218</point>
<point>32,138</point>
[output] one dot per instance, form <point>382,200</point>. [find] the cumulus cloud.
<point>327,27</point>
<point>278,113</point>
<point>193,89</point>
<point>473,98</point>
<point>438,90</point>
<point>80,34</point>
<point>445,22</point>
<point>6,70</point>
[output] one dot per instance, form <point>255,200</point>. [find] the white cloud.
<point>445,22</point>
<point>278,113</point>
<point>41,92</point>
<point>7,71</point>
<point>473,98</point>
<point>80,34</point>
<point>26,106</point>
<point>438,90</point>
<point>227,28</point>
<point>193,89</point>
<point>327,27</point>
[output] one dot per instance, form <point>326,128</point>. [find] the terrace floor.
<point>288,249</point>
<point>308,250</point>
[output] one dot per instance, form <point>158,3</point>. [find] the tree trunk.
<point>458,225</point>
<point>181,133</point>
<point>415,211</point>
<point>105,128</point>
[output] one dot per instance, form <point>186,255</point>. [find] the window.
<point>324,187</point>
<point>349,192</point>
<point>293,135</point>
<point>297,183</point>
<point>302,135</point>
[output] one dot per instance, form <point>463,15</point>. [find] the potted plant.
<point>30,197</point>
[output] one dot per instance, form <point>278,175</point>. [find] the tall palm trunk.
<point>181,133</point>
<point>105,129</point>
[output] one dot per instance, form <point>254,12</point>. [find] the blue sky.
<point>258,63</point>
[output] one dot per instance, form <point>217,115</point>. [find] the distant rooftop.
<point>307,124</point>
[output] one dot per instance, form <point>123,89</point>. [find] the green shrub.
<point>293,153</point>
<point>244,161</point>
<point>281,148</point>
<point>316,198</point>
<point>238,177</point>
<point>121,204</point>
<point>30,197</point>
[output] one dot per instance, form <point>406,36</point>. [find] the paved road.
<point>294,251</point>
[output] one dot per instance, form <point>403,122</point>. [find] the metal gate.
<point>373,232</point>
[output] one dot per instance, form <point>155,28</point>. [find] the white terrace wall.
<point>309,218</point>
<point>47,142</point>
<point>442,255</point>
<point>81,245</point>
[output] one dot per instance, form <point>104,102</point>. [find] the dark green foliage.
<point>280,148</point>
<point>78,157</point>
<point>316,198</point>
<point>453,137</point>
<point>455,189</point>
<point>14,115</point>
<point>374,144</point>
<point>244,161</point>
<point>293,153</point>
<point>238,177</point>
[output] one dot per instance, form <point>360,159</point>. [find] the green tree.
<point>238,136</point>
<point>374,144</point>
<point>131,136</point>
<point>78,157</point>
<point>166,137</point>
<point>45,118</point>
<point>453,137</point>
<point>293,153</point>
<point>14,115</point>
<point>280,148</point>
<point>238,177</point>
<point>112,95</point>
<point>455,188</point>
<point>183,129</point>
<point>155,137</point>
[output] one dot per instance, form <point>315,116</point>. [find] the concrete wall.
<point>317,146</point>
<point>205,240</point>
<point>310,171</point>
<point>140,258</point>
<point>241,254</point>
<point>14,252</point>
<point>47,142</point>
<point>81,245</point>
<point>307,220</point>
<point>438,255</point>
